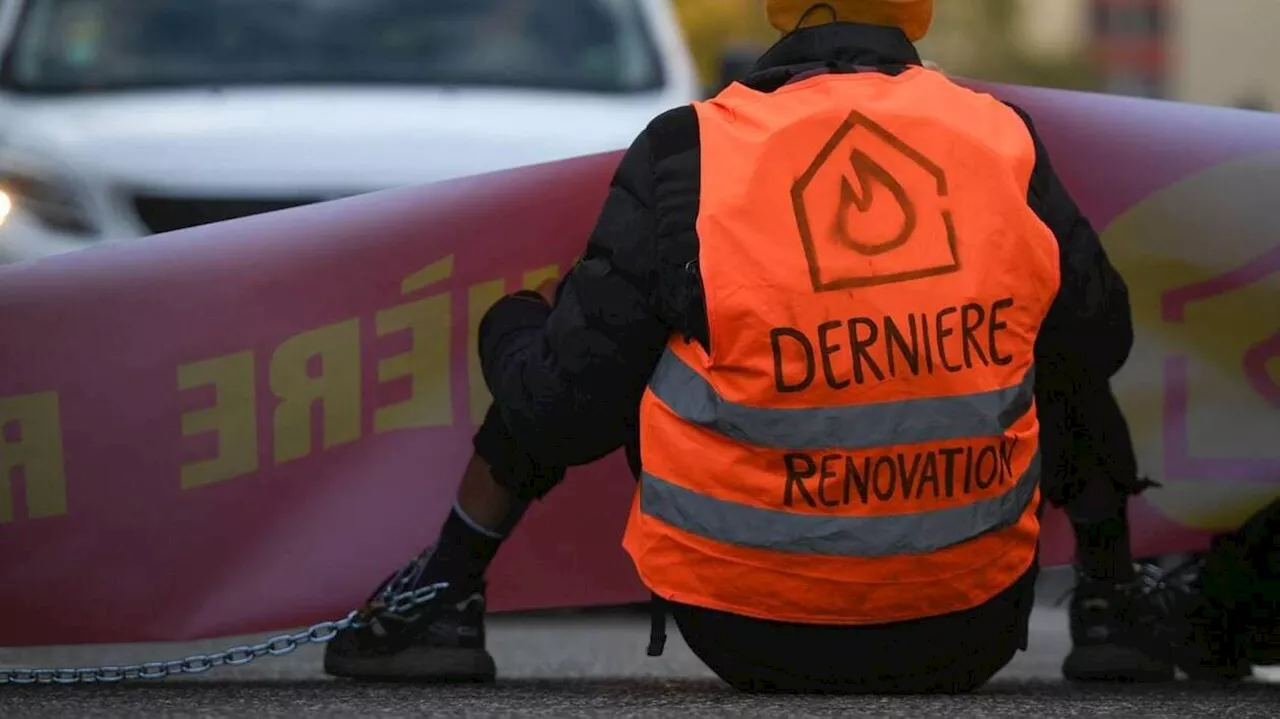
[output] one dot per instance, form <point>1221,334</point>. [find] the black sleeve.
<point>568,381</point>
<point>1088,333</point>
<point>1084,340</point>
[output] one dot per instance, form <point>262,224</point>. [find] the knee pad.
<point>512,467</point>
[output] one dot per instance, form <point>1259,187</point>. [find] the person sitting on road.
<point>853,333</point>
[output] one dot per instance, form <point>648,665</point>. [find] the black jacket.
<point>567,381</point>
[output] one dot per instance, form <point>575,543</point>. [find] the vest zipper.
<point>692,279</point>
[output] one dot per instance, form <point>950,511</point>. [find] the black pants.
<point>945,654</point>
<point>1088,469</point>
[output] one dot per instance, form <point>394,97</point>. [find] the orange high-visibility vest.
<point>860,443</point>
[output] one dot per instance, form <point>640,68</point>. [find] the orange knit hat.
<point>913,16</point>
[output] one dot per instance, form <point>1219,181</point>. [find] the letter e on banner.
<point>426,364</point>
<point>534,278</point>
<point>31,443</point>
<point>233,416</point>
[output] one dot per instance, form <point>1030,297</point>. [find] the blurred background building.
<point>1219,52</point>
<point>1225,53</point>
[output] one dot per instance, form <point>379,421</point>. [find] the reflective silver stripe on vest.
<point>884,424</point>
<point>882,536</point>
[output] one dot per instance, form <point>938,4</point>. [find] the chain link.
<point>397,603</point>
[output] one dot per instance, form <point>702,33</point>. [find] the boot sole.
<point>1112,663</point>
<point>417,664</point>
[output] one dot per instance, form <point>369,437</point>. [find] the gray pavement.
<point>573,664</point>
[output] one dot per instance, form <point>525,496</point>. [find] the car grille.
<point>166,214</point>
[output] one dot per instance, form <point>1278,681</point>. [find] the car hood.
<point>337,141</point>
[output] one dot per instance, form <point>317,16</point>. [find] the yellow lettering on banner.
<point>534,278</point>
<point>232,416</point>
<point>426,364</point>
<point>336,387</point>
<point>479,299</point>
<point>433,273</point>
<point>37,450</point>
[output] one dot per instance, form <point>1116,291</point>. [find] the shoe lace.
<point>1162,587</point>
<point>1166,588</point>
<point>1167,603</point>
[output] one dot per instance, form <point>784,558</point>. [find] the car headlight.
<point>55,204</point>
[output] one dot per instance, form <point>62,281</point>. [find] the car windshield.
<point>87,45</point>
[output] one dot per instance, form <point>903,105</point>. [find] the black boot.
<point>1147,628</point>
<point>1201,631</point>
<point>1109,640</point>
<point>442,640</point>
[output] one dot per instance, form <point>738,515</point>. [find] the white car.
<point>123,118</point>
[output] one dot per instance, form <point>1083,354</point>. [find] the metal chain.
<point>236,656</point>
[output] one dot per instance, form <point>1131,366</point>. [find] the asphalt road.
<point>585,665</point>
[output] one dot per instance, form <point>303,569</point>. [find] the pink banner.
<point>244,426</point>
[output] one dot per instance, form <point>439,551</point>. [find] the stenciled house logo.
<point>872,210</point>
